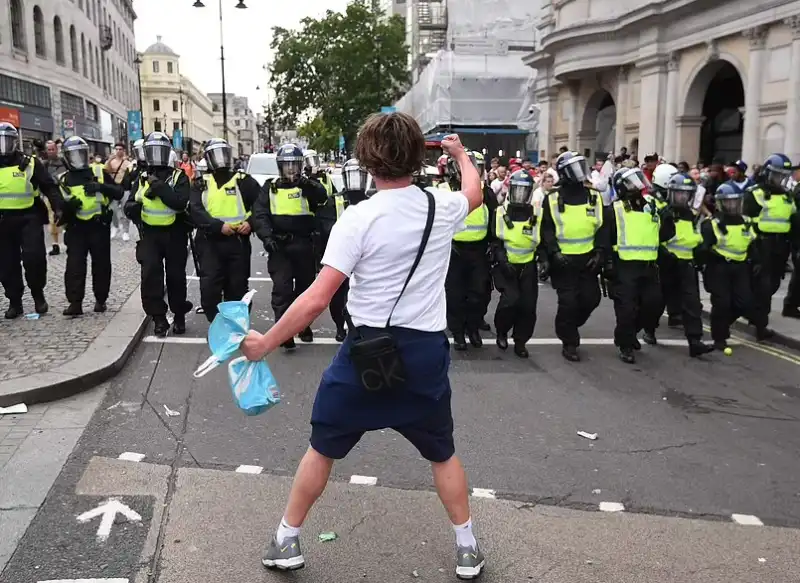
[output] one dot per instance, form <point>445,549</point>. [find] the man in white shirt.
<point>499,186</point>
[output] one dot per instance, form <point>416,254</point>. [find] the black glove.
<point>755,269</point>
<point>609,270</point>
<point>270,245</point>
<point>595,261</point>
<point>560,260</point>
<point>666,213</point>
<point>544,269</point>
<point>499,255</point>
<point>91,188</point>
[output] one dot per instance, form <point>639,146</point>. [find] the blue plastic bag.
<point>252,383</point>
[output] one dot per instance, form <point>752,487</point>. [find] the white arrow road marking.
<point>109,510</point>
<point>116,580</point>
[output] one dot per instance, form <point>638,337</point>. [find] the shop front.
<point>33,125</point>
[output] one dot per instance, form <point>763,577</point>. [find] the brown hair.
<point>390,145</point>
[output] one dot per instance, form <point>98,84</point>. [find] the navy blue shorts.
<point>432,435</point>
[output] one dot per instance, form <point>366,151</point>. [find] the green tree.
<point>342,67</point>
<point>321,137</point>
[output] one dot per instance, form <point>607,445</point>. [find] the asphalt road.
<point>683,446</point>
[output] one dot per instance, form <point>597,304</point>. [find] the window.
<point>59,34</point>
<point>97,64</point>
<point>71,105</point>
<point>17,25</point>
<point>176,125</point>
<point>91,61</point>
<point>157,125</point>
<point>156,105</point>
<point>169,67</point>
<point>155,66</point>
<point>91,111</point>
<point>174,105</point>
<point>38,33</point>
<point>80,4</point>
<point>24,92</point>
<point>89,9</point>
<point>236,111</point>
<point>83,56</point>
<point>236,123</point>
<point>73,47</point>
<point>214,107</point>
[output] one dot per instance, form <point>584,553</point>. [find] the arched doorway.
<point>714,124</point>
<point>598,124</point>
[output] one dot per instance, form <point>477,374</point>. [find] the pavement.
<point>693,476</point>
<point>55,356</point>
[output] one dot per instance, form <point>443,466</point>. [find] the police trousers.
<point>680,287</point>
<point>292,268</point>
<point>22,244</point>
<point>465,286</point>
<point>792,299</point>
<point>637,300</point>
<point>338,304</point>
<point>729,284</point>
<point>518,285</point>
<point>224,269</point>
<point>578,292</point>
<point>774,250</point>
<point>162,251</point>
<point>83,239</point>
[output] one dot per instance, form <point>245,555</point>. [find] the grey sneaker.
<point>285,557</point>
<point>469,563</point>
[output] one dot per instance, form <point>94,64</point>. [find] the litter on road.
<point>170,412</point>
<point>14,409</point>
<point>325,537</point>
<point>591,436</point>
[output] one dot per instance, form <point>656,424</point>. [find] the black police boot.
<point>636,344</point>
<point>459,342</point>
<point>626,355</point>
<point>570,353</point>
<point>698,348</point>
<point>763,334</point>
<point>306,335</point>
<point>74,309</point>
<point>40,304</point>
<point>720,345</point>
<point>649,337</point>
<point>179,324</point>
<point>161,326</point>
<point>475,338</point>
<point>520,350</point>
<point>675,321</point>
<point>56,250</point>
<point>14,311</point>
<point>289,345</point>
<point>790,312</point>
<point>484,325</point>
<point>100,307</point>
<point>341,334</point>
<point>502,341</point>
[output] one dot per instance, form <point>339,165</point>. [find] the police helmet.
<point>290,162</point>
<point>75,152</point>
<point>218,154</point>
<point>572,168</point>
<point>454,170</point>
<point>354,176</point>
<point>680,191</point>
<point>312,161</point>
<point>371,187</point>
<point>629,183</point>
<point>661,178</point>
<point>776,170</point>
<point>520,187</point>
<point>9,139</point>
<point>421,179</point>
<point>201,167</point>
<point>138,151</point>
<point>480,163</point>
<point>158,150</point>
<point>729,199</point>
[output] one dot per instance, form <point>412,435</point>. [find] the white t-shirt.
<point>698,197</point>
<point>375,243</point>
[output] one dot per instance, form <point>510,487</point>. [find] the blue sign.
<point>134,125</point>
<point>177,139</point>
<point>341,142</point>
<point>388,109</point>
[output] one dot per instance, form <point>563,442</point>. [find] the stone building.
<point>241,122</point>
<point>698,80</point>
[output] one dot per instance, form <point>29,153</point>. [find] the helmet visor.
<point>157,155</point>
<point>730,206</point>
<point>290,169</point>
<point>635,181</point>
<point>354,178</point>
<point>313,162</point>
<point>76,158</point>
<point>576,169</point>
<point>219,157</point>
<point>777,177</point>
<point>681,195</point>
<point>8,144</point>
<point>138,151</point>
<point>520,192</point>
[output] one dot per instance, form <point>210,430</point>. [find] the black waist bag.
<point>376,356</point>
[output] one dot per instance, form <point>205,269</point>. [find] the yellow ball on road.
<point>728,351</point>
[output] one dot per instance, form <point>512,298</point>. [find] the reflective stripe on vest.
<point>577,225</point>
<point>327,184</point>
<point>225,202</point>
<point>288,202</point>
<point>16,190</point>
<point>637,234</point>
<point>687,237</point>
<point>734,244</point>
<point>91,206</point>
<point>520,241</point>
<point>476,226</point>
<point>776,212</point>
<point>154,212</point>
<point>340,206</point>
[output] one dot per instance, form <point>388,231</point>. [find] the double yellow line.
<point>772,351</point>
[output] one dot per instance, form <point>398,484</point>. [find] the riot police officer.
<point>662,174</point>
<point>221,206</point>
<point>314,170</point>
<point>634,228</point>
<point>730,256</point>
<point>572,216</point>
<point>159,210</point>
<point>517,233</point>
<point>22,215</point>
<point>772,210</point>
<point>87,190</point>
<point>468,272</point>
<point>285,222</point>
<point>676,263</point>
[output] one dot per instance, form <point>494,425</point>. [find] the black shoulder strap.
<point>425,236</point>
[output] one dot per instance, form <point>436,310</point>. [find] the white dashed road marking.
<point>197,278</point>
<point>746,520</point>
<point>117,580</point>
<point>483,493</point>
<point>249,469</point>
<point>334,342</point>
<point>364,480</point>
<point>130,456</point>
<point>611,507</point>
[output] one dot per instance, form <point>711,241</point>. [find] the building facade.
<point>699,80</point>
<point>171,102</point>
<point>241,122</point>
<point>67,68</point>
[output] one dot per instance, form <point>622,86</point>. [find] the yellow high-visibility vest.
<point>734,244</point>
<point>91,204</point>
<point>288,202</point>
<point>577,225</point>
<point>340,204</point>
<point>16,191</point>
<point>687,238</point>
<point>776,212</point>
<point>476,226</point>
<point>154,212</point>
<point>225,202</point>
<point>637,233</point>
<point>520,240</point>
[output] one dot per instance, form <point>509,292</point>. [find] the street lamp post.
<point>138,63</point>
<point>241,4</point>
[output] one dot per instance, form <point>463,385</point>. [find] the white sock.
<point>464,536</point>
<point>285,531</point>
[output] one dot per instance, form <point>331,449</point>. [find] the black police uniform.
<point>87,237</point>
<point>22,238</point>
<point>225,259</point>
<point>791,302</point>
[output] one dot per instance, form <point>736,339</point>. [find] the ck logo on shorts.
<point>388,373</point>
